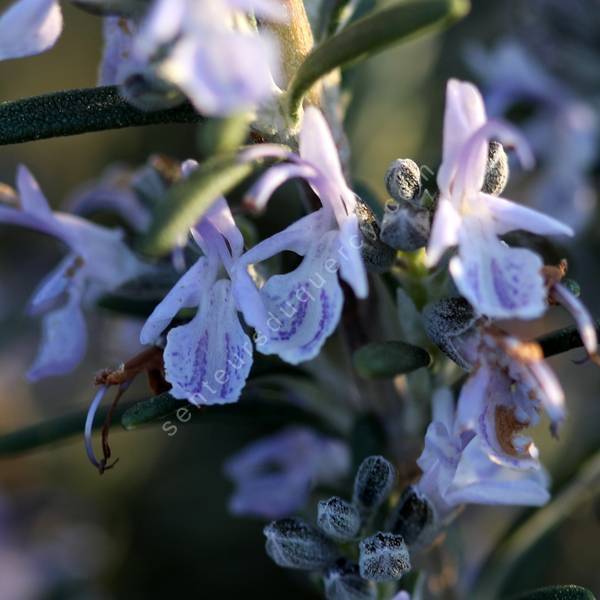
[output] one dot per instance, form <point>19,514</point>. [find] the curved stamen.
<point>583,318</point>
<point>213,239</point>
<point>89,426</point>
<point>267,151</point>
<point>260,193</point>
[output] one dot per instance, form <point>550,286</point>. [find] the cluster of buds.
<point>355,546</point>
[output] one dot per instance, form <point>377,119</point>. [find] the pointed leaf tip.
<point>189,199</point>
<point>382,28</point>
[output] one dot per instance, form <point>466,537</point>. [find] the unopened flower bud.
<point>372,485</point>
<point>405,227</point>
<point>450,323</point>
<point>294,544</point>
<point>410,516</point>
<point>338,519</point>
<point>383,557</point>
<point>403,180</point>
<point>496,170</point>
<point>343,582</point>
<point>377,255</point>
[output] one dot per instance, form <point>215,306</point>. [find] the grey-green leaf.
<point>150,410</point>
<point>190,199</point>
<point>558,592</point>
<point>399,22</point>
<point>382,360</point>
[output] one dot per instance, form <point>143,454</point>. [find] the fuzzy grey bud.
<point>451,324</point>
<point>372,485</point>
<point>405,227</point>
<point>403,180</point>
<point>377,255</point>
<point>338,519</point>
<point>496,170</point>
<point>383,557</point>
<point>410,516</point>
<point>294,544</point>
<point>343,582</point>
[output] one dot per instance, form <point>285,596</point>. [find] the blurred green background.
<point>157,525</point>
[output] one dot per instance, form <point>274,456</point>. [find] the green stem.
<point>583,488</point>
<point>562,340</point>
<point>254,404</point>
<point>54,430</point>
<point>78,111</point>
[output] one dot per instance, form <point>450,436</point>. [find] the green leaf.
<point>387,359</point>
<point>80,111</point>
<point>223,134</point>
<point>373,33</point>
<point>150,410</point>
<point>254,404</point>
<point>188,200</point>
<point>558,592</point>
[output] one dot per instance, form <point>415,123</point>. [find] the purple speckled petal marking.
<point>499,281</point>
<point>208,360</point>
<point>303,306</point>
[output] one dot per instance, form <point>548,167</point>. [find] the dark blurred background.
<point>158,525</point>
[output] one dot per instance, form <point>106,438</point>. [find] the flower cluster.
<point>220,322</point>
<point>208,359</point>
<point>213,53</point>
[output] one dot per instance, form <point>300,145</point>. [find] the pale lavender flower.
<point>510,385</point>
<point>208,359</point>
<point>113,192</point>
<point>498,281</point>
<point>117,58</point>
<point>98,261</point>
<point>29,27</point>
<point>563,130</point>
<point>294,313</point>
<point>211,52</point>
<point>458,470</point>
<point>275,475</point>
